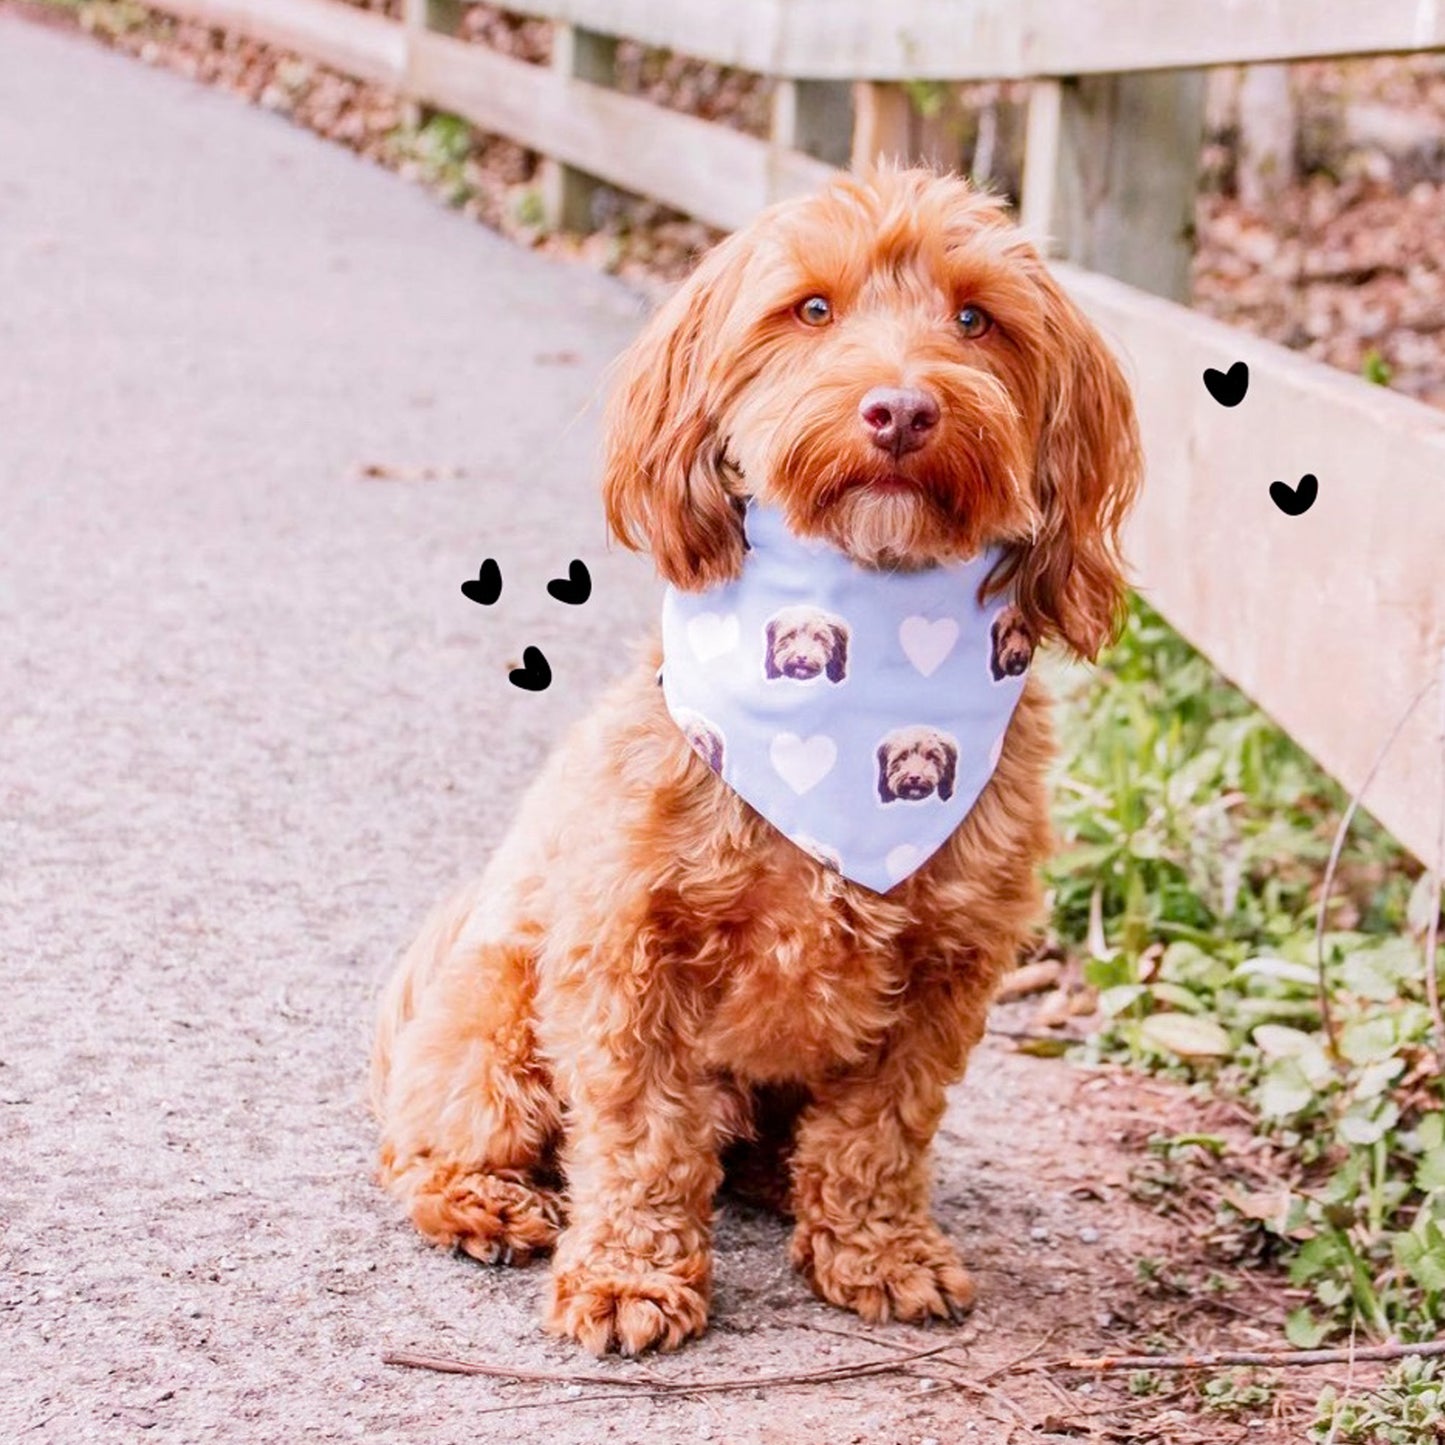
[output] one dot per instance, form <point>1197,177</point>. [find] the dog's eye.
<point>974,322</point>
<point>816,311</point>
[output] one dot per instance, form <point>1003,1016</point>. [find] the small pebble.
<point>1038,1233</point>
<point>572,1391</point>
<point>927,1384</point>
<point>1089,1235</point>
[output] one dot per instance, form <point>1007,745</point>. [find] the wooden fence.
<point>1330,621</point>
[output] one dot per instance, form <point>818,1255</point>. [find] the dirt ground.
<point>264,408</point>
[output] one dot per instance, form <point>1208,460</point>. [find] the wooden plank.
<point>903,40</point>
<point>442,15</point>
<point>882,124</point>
<point>1126,154</point>
<point>353,41</point>
<point>1333,620</point>
<point>1005,39</point>
<point>814,117</point>
<point>716,174</point>
<point>1039,201</point>
<point>567,193</point>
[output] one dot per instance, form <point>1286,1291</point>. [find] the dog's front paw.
<point>895,1273</point>
<point>627,1305</point>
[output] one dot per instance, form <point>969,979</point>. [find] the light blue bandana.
<point>860,712</point>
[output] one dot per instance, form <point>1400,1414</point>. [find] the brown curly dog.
<point>648,973</point>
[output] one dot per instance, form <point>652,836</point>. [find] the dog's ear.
<point>950,770</point>
<point>1070,582</point>
<point>662,482</point>
<point>838,657</point>
<point>770,663</point>
<point>885,790</point>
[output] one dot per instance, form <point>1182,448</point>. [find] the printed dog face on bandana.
<point>914,763</point>
<point>804,643</point>
<point>704,738</point>
<point>1013,645</point>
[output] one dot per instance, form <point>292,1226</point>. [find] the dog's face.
<point>804,643</point>
<point>914,763</point>
<point>889,362</point>
<point>1013,645</point>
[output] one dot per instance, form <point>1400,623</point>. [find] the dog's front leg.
<point>632,1271</point>
<point>865,1238</point>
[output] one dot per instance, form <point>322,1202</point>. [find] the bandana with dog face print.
<point>860,712</point>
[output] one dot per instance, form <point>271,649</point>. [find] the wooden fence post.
<point>568,194</point>
<point>814,117</point>
<point>443,16</point>
<point>1111,174</point>
<point>882,124</point>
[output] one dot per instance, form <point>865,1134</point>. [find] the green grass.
<point>1194,839</point>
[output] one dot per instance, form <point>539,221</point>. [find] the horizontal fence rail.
<point>1331,621</point>
<point>718,175</point>
<point>1004,39</point>
<point>937,39</point>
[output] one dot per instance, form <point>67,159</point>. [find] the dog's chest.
<point>797,1003</point>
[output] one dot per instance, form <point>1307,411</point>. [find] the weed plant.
<point>1194,836</point>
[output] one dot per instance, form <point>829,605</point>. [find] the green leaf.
<point>1186,1036</point>
<point>1102,973</point>
<point>1276,1041</point>
<point>1303,1330</point>
<point>1422,1256</point>
<point>1424,895</point>
<point>1430,1175</point>
<point>1367,1041</point>
<point>1043,1048</point>
<point>1431,1132</point>
<point>1376,1078</point>
<point>1367,1123</point>
<point>1177,996</point>
<point>1114,1001</point>
<point>1279,970</point>
<point>1284,1090</point>
<point>1371,974</point>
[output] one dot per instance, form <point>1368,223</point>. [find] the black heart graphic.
<point>1296,501</point>
<point>488,586</point>
<point>534,675</point>
<point>576,587</point>
<point>1228,388</point>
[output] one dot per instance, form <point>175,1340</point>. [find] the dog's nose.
<point>898,419</point>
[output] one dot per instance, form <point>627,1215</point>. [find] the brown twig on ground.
<point>445,1365</point>
<point>1327,1017</point>
<point>966,1383</point>
<point>1042,1343</point>
<point>651,1384</point>
<point>1223,1359</point>
<point>651,1392</point>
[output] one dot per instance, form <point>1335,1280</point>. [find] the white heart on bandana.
<point>901,861</point>
<point>710,634</point>
<point>927,644</point>
<point>803,763</point>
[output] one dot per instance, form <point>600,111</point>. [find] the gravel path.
<point>262,408</point>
